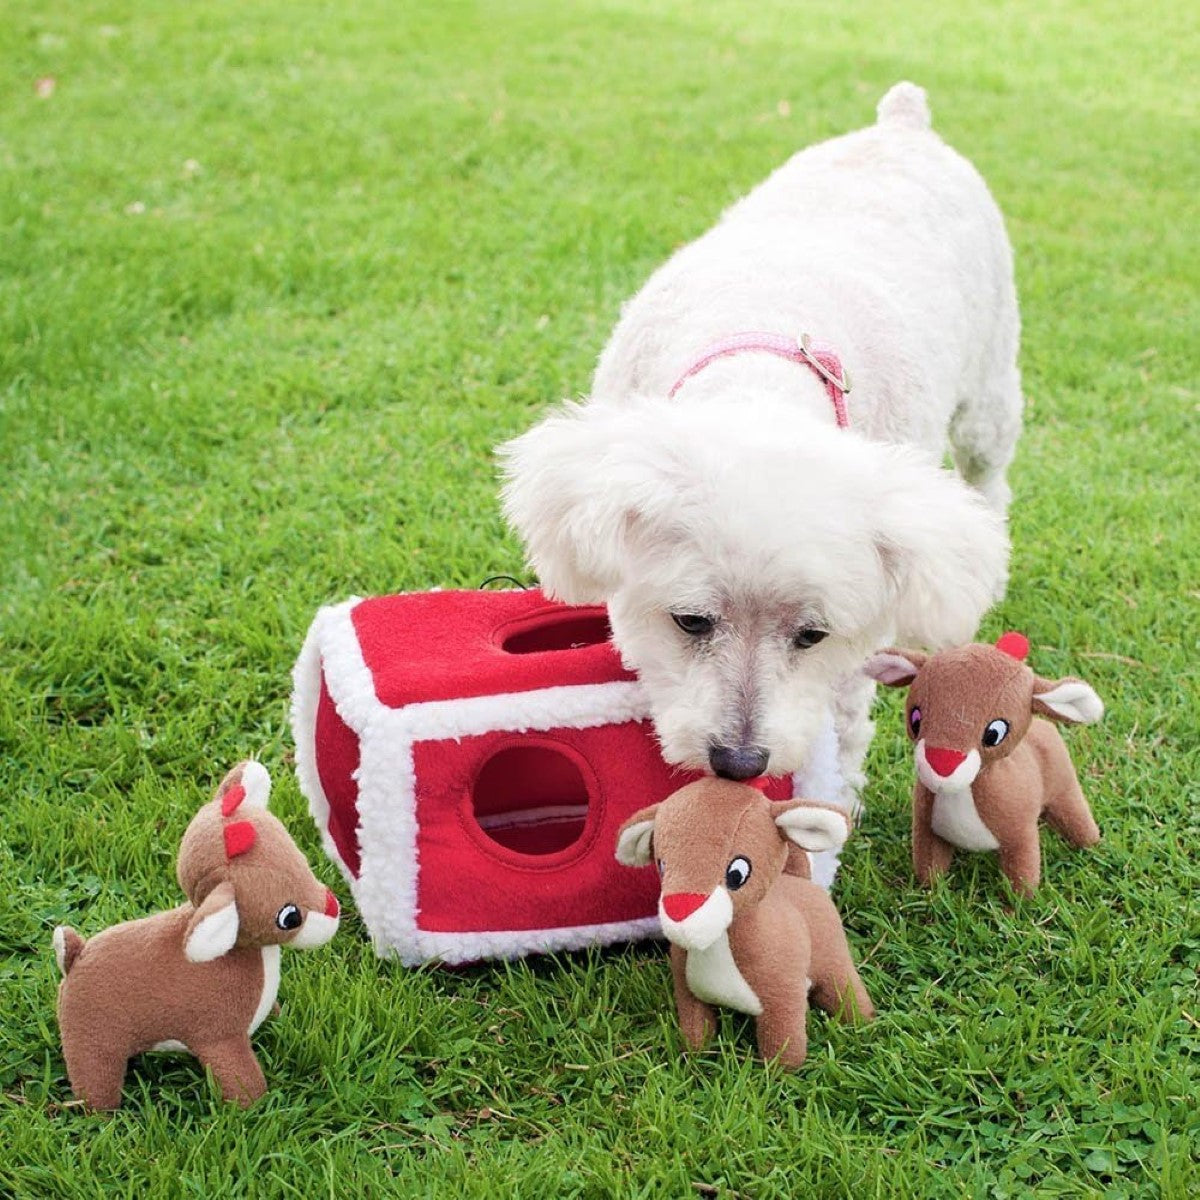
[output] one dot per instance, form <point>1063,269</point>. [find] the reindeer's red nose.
<point>331,904</point>
<point>680,905</point>
<point>944,762</point>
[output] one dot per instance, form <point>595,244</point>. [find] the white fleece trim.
<point>331,643</point>
<point>572,706</point>
<point>454,948</point>
<point>385,890</point>
<point>386,887</point>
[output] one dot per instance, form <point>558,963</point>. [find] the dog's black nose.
<point>738,762</point>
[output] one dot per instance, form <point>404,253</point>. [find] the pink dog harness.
<point>819,358</point>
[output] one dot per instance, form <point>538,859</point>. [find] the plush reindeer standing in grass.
<point>988,766</point>
<point>203,976</point>
<point>743,933</point>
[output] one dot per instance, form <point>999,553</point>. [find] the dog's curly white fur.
<point>739,500</point>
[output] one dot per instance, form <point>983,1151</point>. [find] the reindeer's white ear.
<point>213,929</point>
<point>1069,700</point>
<point>894,668</point>
<point>814,827</point>
<point>635,839</point>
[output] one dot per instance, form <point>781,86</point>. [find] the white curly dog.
<point>756,527</point>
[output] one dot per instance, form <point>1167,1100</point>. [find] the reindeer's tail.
<point>905,106</point>
<point>67,945</point>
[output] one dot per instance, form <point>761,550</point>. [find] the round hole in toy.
<point>558,630</point>
<point>531,799</point>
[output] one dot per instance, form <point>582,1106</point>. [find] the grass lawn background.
<point>274,279</point>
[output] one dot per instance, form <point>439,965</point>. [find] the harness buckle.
<point>843,385</point>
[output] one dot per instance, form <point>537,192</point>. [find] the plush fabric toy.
<point>743,933</point>
<point>469,757</point>
<point>203,976</point>
<point>988,766</point>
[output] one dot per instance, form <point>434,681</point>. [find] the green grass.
<point>274,278</point>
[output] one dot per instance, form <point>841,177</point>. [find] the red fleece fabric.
<point>449,645</point>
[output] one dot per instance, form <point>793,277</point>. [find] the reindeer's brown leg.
<point>836,986</point>
<point>697,1020</point>
<point>96,1076</point>
<point>842,993</point>
<point>930,854</point>
<point>235,1069</point>
<point>1021,862</point>
<point>783,1029</point>
<point>1067,811</point>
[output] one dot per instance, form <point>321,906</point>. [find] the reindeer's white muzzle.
<point>946,770</point>
<point>694,922</point>
<point>318,928</point>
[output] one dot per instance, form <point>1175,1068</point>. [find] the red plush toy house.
<point>469,758</point>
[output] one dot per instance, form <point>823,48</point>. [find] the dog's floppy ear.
<point>943,549</point>
<point>581,489</point>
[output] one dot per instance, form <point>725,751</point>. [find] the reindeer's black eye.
<point>996,732</point>
<point>737,873</point>
<point>662,866</point>
<point>807,638</point>
<point>914,722</point>
<point>289,917</point>
<point>694,624</point>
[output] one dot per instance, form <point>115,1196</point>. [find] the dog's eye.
<point>914,721</point>
<point>807,638</point>
<point>694,624</point>
<point>995,733</point>
<point>737,873</point>
<point>289,917</point>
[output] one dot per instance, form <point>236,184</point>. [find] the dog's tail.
<point>905,107</point>
<point>67,945</point>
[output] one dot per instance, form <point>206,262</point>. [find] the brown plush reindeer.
<point>987,766</point>
<point>203,976</point>
<point>743,933</point>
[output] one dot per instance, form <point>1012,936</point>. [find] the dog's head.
<point>748,566</point>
